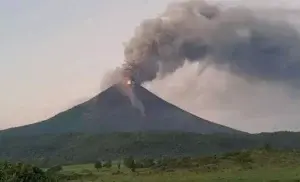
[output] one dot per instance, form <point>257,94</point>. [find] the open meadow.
<point>258,165</point>
<point>262,174</point>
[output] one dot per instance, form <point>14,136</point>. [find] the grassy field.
<point>267,174</point>
<point>270,166</point>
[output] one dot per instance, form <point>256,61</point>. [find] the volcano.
<point>112,111</point>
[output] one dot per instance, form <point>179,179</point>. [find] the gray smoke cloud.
<point>245,42</point>
<point>136,102</point>
<point>234,66</point>
<point>225,98</point>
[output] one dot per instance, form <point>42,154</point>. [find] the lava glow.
<point>129,82</point>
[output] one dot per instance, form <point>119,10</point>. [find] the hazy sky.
<point>53,53</point>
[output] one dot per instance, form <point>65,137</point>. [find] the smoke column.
<point>136,102</point>
<point>236,39</point>
<point>237,52</point>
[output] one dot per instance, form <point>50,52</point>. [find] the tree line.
<point>244,160</point>
<point>243,157</point>
<point>50,150</point>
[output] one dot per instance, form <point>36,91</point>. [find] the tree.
<point>130,163</point>
<point>133,166</point>
<point>119,166</point>
<point>98,165</point>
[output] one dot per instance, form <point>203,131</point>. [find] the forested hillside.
<point>47,150</point>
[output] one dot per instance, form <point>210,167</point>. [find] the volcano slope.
<point>112,111</point>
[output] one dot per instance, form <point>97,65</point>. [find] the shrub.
<point>185,162</point>
<point>244,157</point>
<point>147,162</point>
<point>130,163</point>
<point>22,172</point>
<point>209,160</point>
<point>231,155</point>
<point>54,169</point>
<point>98,165</point>
<point>107,164</point>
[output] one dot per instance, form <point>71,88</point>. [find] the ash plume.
<point>136,102</point>
<point>245,42</point>
<point>235,66</point>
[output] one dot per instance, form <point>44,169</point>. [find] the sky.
<point>53,53</point>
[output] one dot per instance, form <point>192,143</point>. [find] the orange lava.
<point>127,82</point>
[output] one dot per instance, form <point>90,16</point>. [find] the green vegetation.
<point>74,148</point>
<point>264,164</point>
<point>107,164</point>
<point>246,165</point>
<point>130,163</point>
<point>98,165</point>
<point>54,169</point>
<point>22,172</point>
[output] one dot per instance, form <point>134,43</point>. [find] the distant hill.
<point>111,111</point>
<point>72,148</point>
